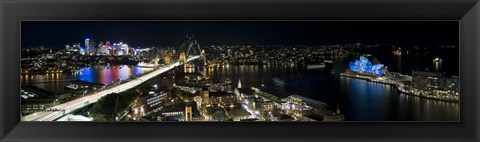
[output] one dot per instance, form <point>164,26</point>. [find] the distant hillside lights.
<point>365,66</point>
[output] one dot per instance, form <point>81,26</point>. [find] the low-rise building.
<point>178,112</point>
<point>223,98</point>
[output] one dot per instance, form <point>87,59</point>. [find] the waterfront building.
<point>426,80</point>
<point>29,106</point>
<point>453,84</point>
<point>298,105</point>
<point>37,99</point>
<point>434,81</point>
<point>363,65</point>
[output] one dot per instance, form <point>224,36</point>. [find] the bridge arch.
<point>190,46</point>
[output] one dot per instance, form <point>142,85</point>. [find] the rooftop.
<point>180,107</point>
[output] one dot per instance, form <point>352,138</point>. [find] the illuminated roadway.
<point>65,108</point>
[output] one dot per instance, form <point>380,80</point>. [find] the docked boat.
<point>437,59</point>
<point>316,66</point>
<point>72,86</point>
<point>279,81</point>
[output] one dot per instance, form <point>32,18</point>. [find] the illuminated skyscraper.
<point>82,51</point>
<point>125,49</point>
<point>87,42</point>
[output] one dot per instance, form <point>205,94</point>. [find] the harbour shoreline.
<point>395,86</point>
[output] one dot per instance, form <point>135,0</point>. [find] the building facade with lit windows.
<point>178,112</point>
<point>434,81</point>
<point>152,101</point>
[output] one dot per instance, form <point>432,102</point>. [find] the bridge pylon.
<point>183,60</point>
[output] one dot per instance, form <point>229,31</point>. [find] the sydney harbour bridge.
<point>187,51</point>
<point>188,48</point>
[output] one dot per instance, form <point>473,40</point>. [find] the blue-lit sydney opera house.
<point>365,66</point>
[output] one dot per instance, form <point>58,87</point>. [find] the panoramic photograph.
<point>240,71</point>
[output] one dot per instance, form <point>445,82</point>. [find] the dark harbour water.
<point>56,82</point>
<point>359,100</point>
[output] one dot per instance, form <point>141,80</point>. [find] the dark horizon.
<point>56,34</point>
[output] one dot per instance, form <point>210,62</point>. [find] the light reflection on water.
<point>368,101</point>
<point>56,82</point>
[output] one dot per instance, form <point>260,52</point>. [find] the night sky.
<point>56,34</point>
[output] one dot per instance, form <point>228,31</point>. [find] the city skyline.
<point>153,33</point>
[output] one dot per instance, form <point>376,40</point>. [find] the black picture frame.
<point>467,12</point>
